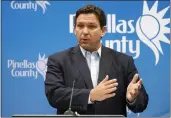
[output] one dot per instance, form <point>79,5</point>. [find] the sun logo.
<point>41,65</point>
<point>151,28</point>
<point>42,4</point>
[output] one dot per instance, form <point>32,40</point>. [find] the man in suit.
<point>106,81</point>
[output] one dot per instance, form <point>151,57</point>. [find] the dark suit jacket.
<point>69,65</point>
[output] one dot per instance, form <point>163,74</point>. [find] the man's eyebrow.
<point>92,23</point>
<point>87,23</point>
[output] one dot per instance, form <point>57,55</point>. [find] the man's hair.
<point>92,9</point>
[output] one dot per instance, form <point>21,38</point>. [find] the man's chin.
<point>86,47</point>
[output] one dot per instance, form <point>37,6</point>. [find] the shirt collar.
<point>84,51</point>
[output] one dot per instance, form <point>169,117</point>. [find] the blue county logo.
<point>26,68</point>
<point>43,4</point>
<point>151,28</point>
<point>41,66</point>
<point>29,5</point>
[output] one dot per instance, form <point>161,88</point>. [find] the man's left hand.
<point>133,88</point>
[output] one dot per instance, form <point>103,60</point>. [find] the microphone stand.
<point>69,111</point>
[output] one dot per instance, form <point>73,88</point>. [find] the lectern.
<point>66,116</point>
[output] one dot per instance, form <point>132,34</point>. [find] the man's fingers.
<point>139,87</point>
<point>107,91</point>
<point>111,85</point>
<point>110,82</point>
<point>134,92</point>
<point>105,79</point>
<point>136,88</point>
<point>109,95</point>
<point>139,82</point>
<point>134,80</point>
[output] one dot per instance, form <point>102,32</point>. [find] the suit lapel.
<point>105,63</point>
<point>80,62</point>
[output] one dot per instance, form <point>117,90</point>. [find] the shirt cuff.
<point>89,102</point>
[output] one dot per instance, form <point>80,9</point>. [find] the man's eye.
<point>92,26</point>
<point>80,26</point>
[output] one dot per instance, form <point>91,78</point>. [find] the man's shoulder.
<point>117,54</point>
<point>62,54</point>
<point>120,59</point>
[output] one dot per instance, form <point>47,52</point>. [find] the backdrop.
<point>33,30</point>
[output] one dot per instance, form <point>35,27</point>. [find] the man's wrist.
<point>131,102</point>
<point>91,96</point>
<point>89,101</point>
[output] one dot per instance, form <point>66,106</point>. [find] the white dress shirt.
<point>93,60</point>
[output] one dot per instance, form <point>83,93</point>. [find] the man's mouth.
<point>84,40</point>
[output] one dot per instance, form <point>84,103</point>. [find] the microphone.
<point>69,111</point>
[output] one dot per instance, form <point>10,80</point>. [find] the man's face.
<point>89,32</point>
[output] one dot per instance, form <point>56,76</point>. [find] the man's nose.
<point>85,30</point>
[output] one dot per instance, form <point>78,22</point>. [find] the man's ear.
<point>103,31</point>
<point>74,29</point>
